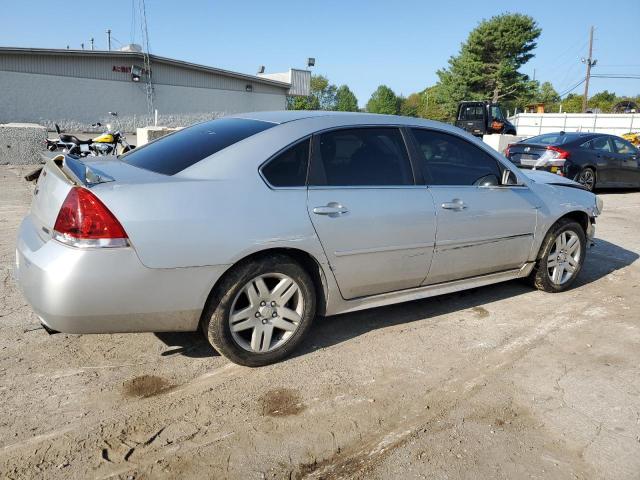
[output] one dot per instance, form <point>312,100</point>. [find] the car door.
<point>482,226</point>
<point>628,157</point>
<point>607,162</point>
<point>376,226</point>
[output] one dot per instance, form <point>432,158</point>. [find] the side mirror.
<point>509,178</point>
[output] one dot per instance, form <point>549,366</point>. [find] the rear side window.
<point>602,144</point>
<point>289,169</point>
<point>362,156</point>
<point>449,160</point>
<point>173,153</point>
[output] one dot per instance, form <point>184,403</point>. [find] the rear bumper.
<point>569,170</point>
<point>107,290</point>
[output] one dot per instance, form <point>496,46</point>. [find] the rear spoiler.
<point>80,172</point>
<point>75,170</point>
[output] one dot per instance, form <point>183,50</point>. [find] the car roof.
<point>347,118</point>
<point>570,137</point>
<point>292,125</point>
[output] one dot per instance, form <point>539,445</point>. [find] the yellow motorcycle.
<point>111,142</point>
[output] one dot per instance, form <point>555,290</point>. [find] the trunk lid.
<point>526,155</point>
<point>63,172</point>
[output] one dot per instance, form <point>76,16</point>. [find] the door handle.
<point>332,209</point>
<point>455,204</point>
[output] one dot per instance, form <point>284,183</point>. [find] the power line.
<point>570,89</point>
<point>614,75</point>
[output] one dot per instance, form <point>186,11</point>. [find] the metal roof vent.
<point>131,47</point>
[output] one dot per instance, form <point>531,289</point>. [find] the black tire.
<point>583,176</point>
<point>215,320</point>
<point>540,277</point>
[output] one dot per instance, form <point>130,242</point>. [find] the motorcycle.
<point>68,144</point>
<point>111,142</point>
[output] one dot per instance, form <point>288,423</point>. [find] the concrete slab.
<point>21,143</point>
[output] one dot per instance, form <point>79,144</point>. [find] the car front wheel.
<point>561,257</point>
<point>261,311</point>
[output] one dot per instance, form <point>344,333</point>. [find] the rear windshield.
<point>173,153</point>
<point>471,112</point>
<point>552,138</point>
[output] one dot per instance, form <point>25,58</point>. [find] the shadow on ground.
<point>603,259</point>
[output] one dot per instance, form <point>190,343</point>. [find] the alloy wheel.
<point>266,312</point>
<point>564,259</point>
<point>587,178</point>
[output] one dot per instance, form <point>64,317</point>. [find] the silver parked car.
<point>249,226</point>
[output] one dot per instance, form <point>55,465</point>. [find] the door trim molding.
<point>391,248</point>
<point>447,245</point>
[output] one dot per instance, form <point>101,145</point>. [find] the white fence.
<point>529,124</point>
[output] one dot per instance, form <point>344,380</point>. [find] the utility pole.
<point>109,38</point>
<point>590,62</point>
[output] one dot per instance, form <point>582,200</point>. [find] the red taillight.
<point>84,217</point>
<point>560,153</point>
<point>507,150</point>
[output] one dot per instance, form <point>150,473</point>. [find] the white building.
<point>76,88</point>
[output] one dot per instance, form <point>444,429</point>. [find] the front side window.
<point>602,144</point>
<point>623,147</point>
<point>361,157</point>
<point>182,149</point>
<point>449,160</point>
<point>289,168</point>
<point>496,113</point>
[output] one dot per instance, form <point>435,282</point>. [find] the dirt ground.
<point>497,382</point>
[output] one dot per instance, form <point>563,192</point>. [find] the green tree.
<point>433,105</point>
<point>383,100</point>
<point>572,103</point>
<point>346,101</point>
<point>410,106</point>
<point>303,103</point>
<point>547,94</point>
<point>323,96</point>
<point>604,101</point>
<point>488,62</point>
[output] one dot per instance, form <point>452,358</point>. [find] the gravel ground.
<point>497,382</point>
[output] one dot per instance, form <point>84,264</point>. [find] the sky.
<point>360,43</point>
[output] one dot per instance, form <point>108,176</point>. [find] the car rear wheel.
<point>261,311</point>
<point>561,257</point>
<point>587,177</point>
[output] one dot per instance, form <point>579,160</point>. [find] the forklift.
<point>483,118</point>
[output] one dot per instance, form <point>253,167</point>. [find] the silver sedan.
<point>248,227</point>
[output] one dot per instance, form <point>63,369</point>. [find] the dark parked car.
<point>593,159</point>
